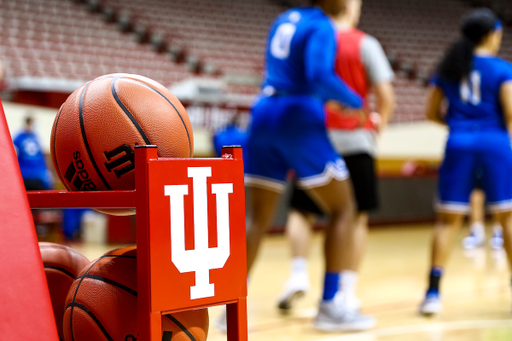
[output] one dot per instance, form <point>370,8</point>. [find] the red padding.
<point>25,306</point>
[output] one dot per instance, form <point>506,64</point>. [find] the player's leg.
<point>263,203</point>
<point>456,180</point>
<point>324,176</point>
<point>448,224</point>
<point>302,215</point>
<point>476,236</point>
<point>265,175</point>
<point>362,175</point>
<point>497,165</point>
<point>359,236</point>
<point>352,257</point>
<point>298,231</point>
<point>336,199</point>
<point>265,167</point>
<point>477,206</point>
<point>496,240</point>
<point>504,219</point>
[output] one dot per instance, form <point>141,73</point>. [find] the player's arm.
<point>319,64</point>
<point>385,98</point>
<point>506,102</point>
<point>380,74</point>
<point>434,103</point>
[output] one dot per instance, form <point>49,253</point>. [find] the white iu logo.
<point>203,258</point>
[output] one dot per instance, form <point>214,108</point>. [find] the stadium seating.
<point>418,32</point>
<point>60,41</point>
<point>228,34</point>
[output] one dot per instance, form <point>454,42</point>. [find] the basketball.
<point>102,304</point>
<point>62,265</point>
<point>97,128</point>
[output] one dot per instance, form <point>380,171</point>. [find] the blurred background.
<point>209,53</point>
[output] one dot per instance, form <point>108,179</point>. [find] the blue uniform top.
<point>300,56</point>
<point>30,157</point>
<point>475,101</point>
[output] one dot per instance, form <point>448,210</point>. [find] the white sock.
<point>478,229</point>
<point>348,283</point>
<point>299,265</point>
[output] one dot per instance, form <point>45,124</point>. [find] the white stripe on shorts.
<point>500,206</point>
<point>331,171</point>
<point>452,207</point>
<point>267,183</point>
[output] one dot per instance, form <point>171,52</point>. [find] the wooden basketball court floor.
<point>476,291</point>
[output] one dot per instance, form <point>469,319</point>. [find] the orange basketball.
<point>62,265</point>
<point>96,129</point>
<point>102,304</point>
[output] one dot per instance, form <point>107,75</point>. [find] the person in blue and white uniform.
<point>477,85</point>
<point>288,132</point>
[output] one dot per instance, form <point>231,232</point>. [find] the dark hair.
<point>457,62</point>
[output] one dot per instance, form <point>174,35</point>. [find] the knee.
<point>449,220</point>
<point>344,209</point>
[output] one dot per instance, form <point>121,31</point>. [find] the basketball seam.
<point>110,281</point>
<point>126,111</point>
<point>46,266</point>
<point>167,336</point>
<point>81,280</point>
<point>95,319</point>
<point>182,327</point>
<point>54,156</point>
<point>168,101</point>
<point>84,137</point>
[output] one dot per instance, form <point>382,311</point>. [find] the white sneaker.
<point>431,305</point>
<point>348,302</point>
<point>333,318</point>
<point>496,241</point>
<point>295,288</point>
<point>474,240</point>
<point>221,322</point>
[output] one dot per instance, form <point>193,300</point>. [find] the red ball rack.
<point>190,239</point>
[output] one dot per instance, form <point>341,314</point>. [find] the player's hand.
<point>377,122</point>
<point>335,105</point>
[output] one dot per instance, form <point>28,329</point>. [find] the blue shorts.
<point>288,133</point>
<point>469,155</point>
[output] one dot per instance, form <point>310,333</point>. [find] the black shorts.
<point>362,175</point>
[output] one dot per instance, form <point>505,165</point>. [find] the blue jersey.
<point>475,101</point>
<point>229,136</point>
<point>300,56</point>
<point>30,157</point>
<point>479,143</point>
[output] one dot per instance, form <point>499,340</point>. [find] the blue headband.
<point>498,25</point>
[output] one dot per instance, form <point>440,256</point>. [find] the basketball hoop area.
<point>190,237</point>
